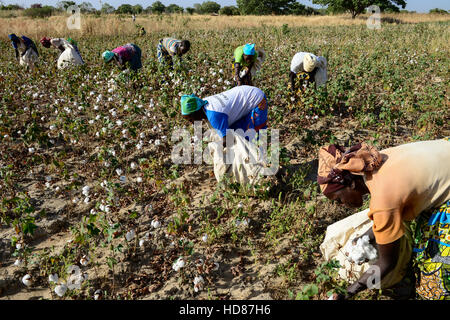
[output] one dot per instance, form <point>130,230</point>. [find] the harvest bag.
<point>353,226</point>
<point>247,164</point>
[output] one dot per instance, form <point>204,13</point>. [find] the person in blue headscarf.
<point>26,50</point>
<point>246,58</point>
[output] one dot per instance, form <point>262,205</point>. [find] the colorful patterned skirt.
<point>432,249</point>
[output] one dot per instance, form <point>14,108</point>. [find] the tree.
<point>198,7</point>
<point>210,7</point>
<point>437,10</point>
<point>36,5</point>
<point>300,9</point>
<point>356,7</point>
<point>261,7</point>
<point>229,11</point>
<point>107,8</point>
<point>63,5</point>
<point>125,9</point>
<point>157,7</point>
<point>38,12</point>
<point>138,9</point>
<point>190,10</point>
<point>11,7</point>
<point>173,8</point>
<point>86,7</point>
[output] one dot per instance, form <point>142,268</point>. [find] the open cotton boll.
<point>178,264</point>
<point>361,251</point>
<point>84,261</point>
<point>155,224</point>
<point>26,280</point>
<point>18,263</point>
<point>198,283</point>
<point>97,294</point>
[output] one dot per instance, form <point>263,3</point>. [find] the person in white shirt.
<point>242,107</point>
<point>308,68</point>
<point>70,54</point>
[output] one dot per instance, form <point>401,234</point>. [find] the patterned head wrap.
<point>309,62</point>
<point>338,166</point>
<point>45,42</point>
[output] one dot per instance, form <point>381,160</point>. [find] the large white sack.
<point>336,237</point>
<point>248,164</point>
<point>29,58</point>
<point>69,57</point>
<point>256,66</point>
<point>321,76</point>
<point>339,233</point>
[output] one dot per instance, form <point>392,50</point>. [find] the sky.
<point>412,5</point>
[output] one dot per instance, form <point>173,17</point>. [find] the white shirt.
<point>321,74</point>
<point>226,108</point>
<point>69,56</point>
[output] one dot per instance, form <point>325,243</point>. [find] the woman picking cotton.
<point>408,182</point>
<point>247,61</point>
<point>243,107</point>
<point>168,48</point>
<point>26,51</point>
<point>307,68</point>
<point>70,55</point>
<point>128,55</point>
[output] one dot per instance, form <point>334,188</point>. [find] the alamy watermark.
<point>374,20</point>
<point>74,20</point>
<point>250,147</point>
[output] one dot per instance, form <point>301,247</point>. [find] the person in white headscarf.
<point>308,68</point>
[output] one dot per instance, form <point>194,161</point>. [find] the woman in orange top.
<point>408,182</point>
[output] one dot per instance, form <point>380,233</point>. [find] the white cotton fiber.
<point>361,251</point>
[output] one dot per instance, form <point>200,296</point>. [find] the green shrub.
<point>38,12</point>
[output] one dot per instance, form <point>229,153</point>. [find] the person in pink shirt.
<point>126,55</point>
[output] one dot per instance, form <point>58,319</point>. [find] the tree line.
<point>243,7</point>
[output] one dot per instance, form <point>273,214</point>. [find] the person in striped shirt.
<point>170,47</point>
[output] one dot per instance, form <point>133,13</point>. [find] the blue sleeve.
<point>218,121</point>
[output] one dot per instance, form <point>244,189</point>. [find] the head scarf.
<point>45,42</point>
<point>338,166</point>
<point>191,103</point>
<point>107,55</point>
<point>13,39</point>
<point>309,62</point>
<point>249,49</point>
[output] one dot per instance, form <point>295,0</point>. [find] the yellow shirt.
<point>414,177</point>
